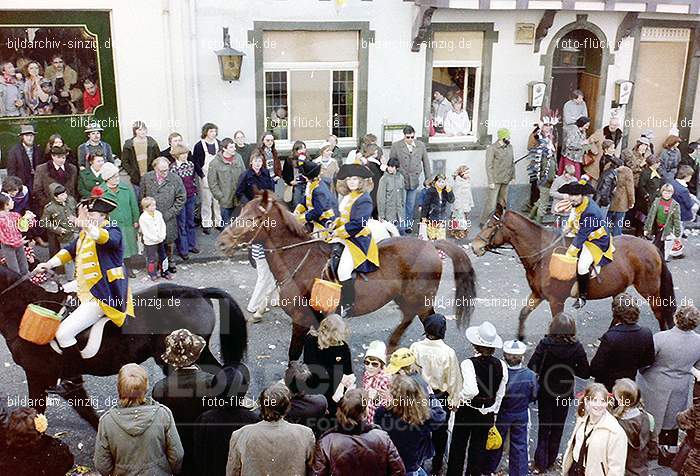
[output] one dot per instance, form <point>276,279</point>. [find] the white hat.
<point>108,171</point>
<point>673,131</point>
<point>377,349</point>
<point>648,133</point>
<point>93,127</point>
<point>514,347</point>
<point>484,335</point>
<point>643,140</point>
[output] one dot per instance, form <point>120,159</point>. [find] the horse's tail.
<point>233,332</point>
<point>668,296</point>
<point>465,280</point>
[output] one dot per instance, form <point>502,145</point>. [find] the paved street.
<point>501,290</point>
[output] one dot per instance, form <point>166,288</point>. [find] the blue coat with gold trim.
<point>352,228</point>
<point>588,221</point>
<point>100,271</point>
<point>319,207</point>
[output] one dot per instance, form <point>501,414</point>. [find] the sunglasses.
<point>410,137</point>
<point>372,363</point>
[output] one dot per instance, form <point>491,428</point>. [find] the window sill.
<point>454,146</point>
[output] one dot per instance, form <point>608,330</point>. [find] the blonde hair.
<point>132,384</point>
<point>667,187</point>
<point>147,201</point>
<point>460,170</point>
<point>626,392</point>
<point>332,332</point>
<point>408,400</point>
<point>366,186</point>
<point>592,390</point>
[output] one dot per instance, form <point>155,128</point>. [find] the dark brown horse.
<point>636,263</point>
<point>409,274</point>
<point>159,310</point>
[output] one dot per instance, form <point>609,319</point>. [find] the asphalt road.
<point>501,291</point>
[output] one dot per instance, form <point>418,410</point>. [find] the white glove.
<point>71,286</point>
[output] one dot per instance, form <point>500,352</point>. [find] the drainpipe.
<point>168,65</point>
<point>193,60</point>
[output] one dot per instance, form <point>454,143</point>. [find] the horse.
<point>409,274</point>
<point>636,263</point>
<point>159,310</point>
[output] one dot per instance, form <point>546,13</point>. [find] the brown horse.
<point>636,263</point>
<point>409,274</point>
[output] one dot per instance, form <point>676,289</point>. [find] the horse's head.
<point>493,235</point>
<point>252,224</point>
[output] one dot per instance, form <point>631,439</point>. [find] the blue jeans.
<point>615,221</point>
<point>418,472</point>
<point>186,236</point>
<point>298,195</point>
<point>226,216</point>
<point>410,207</point>
<point>516,425</point>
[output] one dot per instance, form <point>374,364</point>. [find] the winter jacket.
<point>307,410</point>
<point>623,196</point>
<point>87,180</point>
<point>637,426</point>
<point>83,152</point>
<point>170,198</point>
<point>648,188</point>
<point>250,182</point>
<point>670,160</point>
<point>152,228</point>
<point>46,174</point>
<point>125,215</point>
<point>556,362</point>
<point>18,163</point>
<point>270,447</point>
<point>363,450</point>
<point>435,206</point>
<point>223,179</point>
<point>464,200</point>
<point>135,441</point>
<point>574,146</point>
<point>47,457</point>
<point>606,187</point>
<point>613,360</point>
<point>413,443</point>
<point>673,220</point>
<point>635,161</point>
<point>499,163</point>
<point>607,448</point>
<point>391,197</point>
<point>130,163</point>
<point>56,219</point>
<point>681,194</point>
<point>411,164</point>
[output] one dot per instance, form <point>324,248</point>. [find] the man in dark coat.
<point>213,428</point>
<point>56,171</point>
<point>184,389</point>
<point>305,409</point>
<point>626,347</point>
<point>24,157</point>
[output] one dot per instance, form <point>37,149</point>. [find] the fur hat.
<point>59,150</point>
<point>108,171</point>
<point>182,348</point>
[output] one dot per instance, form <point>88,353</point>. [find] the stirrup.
<point>580,302</point>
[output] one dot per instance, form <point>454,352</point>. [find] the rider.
<point>592,243</point>
<point>100,279</point>
<point>318,209</point>
<point>354,246</point>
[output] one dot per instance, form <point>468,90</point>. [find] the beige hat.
<point>108,171</point>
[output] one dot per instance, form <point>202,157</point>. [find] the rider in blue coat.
<point>319,207</point>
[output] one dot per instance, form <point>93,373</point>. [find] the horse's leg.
<point>533,301</point>
<point>395,337</point>
<point>37,385</point>
<point>296,345</point>
<point>556,306</point>
<point>81,403</point>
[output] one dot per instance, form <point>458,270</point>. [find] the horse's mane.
<point>289,221</point>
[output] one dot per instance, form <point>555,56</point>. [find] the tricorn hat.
<point>310,169</point>
<point>26,129</point>
<point>97,203</point>
<point>577,188</point>
<point>353,170</point>
<point>182,348</point>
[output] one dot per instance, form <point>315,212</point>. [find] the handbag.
<point>494,441</point>
<point>288,193</point>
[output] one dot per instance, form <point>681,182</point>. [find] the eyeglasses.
<point>372,363</point>
<point>410,137</point>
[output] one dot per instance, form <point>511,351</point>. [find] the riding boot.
<point>336,252</point>
<point>69,383</point>
<point>583,280</point>
<point>347,297</point>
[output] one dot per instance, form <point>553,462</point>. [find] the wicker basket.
<point>325,295</point>
<point>39,325</point>
<point>562,266</point>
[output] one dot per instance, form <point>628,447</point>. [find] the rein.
<point>29,276</point>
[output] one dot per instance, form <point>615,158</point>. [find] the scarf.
<point>379,382</point>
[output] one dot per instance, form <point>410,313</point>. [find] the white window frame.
<point>474,118</point>
<point>288,67</point>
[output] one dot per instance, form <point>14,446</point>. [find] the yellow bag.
<point>494,440</point>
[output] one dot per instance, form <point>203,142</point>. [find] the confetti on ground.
<point>272,346</point>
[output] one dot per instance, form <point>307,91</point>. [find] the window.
<point>456,86</point>
<point>310,84</point>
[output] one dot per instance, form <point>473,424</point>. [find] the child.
<point>688,202</point>
<point>58,218</point>
<point>434,208</point>
<point>371,160</point>
<point>152,228</point>
<point>374,380</point>
<point>91,96</point>
<point>19,192</point>
<point>440,369</point>
<point>513,416</point>
<point>561,214</point>
<point>12,224</point>
<point>464,201</point>
<point>663,222</point>
<point>46,106</point>
<point>635,421</point>
<point>391,195</point>
<point>329,166</point>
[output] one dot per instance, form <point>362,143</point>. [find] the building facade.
<point>349,67</point>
